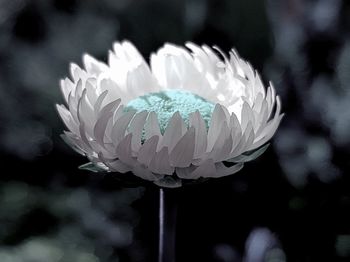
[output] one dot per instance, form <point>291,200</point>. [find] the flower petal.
<point>136,127</point>
<point>185,172</point>
<point>245,141</point>
<point>160,163</point>
<point>223,144</point>
<point>84,139</point>
<point>100,127</point>
<point>148,150</point>
<point>67,118</point>
<point>206,169</point>
<point>152,126</point>
<point>119,127</point>
<point>118,166</point>
<point>144,173</point>
<point>182,154</point>
<point>196,120</point>
<point>124,151</point>
<point>73,141</point>
<point>173,132</point>
<point>93,66</point>
<point>98,104</point>
<point>251,156</point>
<point>271,129</point>
<point>216,121</point>
<point>222,170</point>
<point>76,72</point>
<point>66,87</point>
<point>246,115</point>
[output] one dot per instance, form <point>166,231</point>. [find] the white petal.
<point>119,128</point>
<point>148,150</point>
<point>234,124</point>
<point>127,51</point>
<point>158,70</point>
<point>91,91</point>
<point>269,97</point>
<point>196,120</point>
<point>118,166</point>
<point>141,81</point>
<point>216,121</point>
<point>206,169</point>
<point>98,104</point>
<point>73,107</point>
<point>93,66</point>
<point>236,131</point>
<point>201,58</point>
<point>75,71</point>
<point>172,74</point>
<point>247,115</point>
<point>166,67</point>
<point>118,113</point>
<point>100,127</point>
<point>84,138</point>
<point>173,132</point>
<point>124,150</point>
<point>182,154</point>
<point>258,85</point>
<point>160,163</point>
<point>184,172</point>
<point>106,83</point>
<point>249,136</point>
<point>174,67</point>
<point>272,123</point>
<point>73,141</point>
<point>222,170</point>
<point>223,144</point>
<point>107,122</point>
<point>227,113</point>
<point>214,59</point>
<point>136,127</point>
<point>251,156</point>
<point>245,142</point>
<point>259,99</point>
<point>67,119</point>
<point>144,173</point>
<point>262,118</point>
<point>79,88</point>
<point>152,126</point>
<point>85,113</point>
<point>108,131</point>
<point>272,127</point>
<point>109,108</point>
<point>66,87</point>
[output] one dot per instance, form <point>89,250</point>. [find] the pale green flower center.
<point>167,102</point>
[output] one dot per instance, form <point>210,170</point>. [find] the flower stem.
<point>167,224</point>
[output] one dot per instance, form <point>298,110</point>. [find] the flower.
<point>194,113</point>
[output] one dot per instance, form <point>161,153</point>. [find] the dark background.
<point>291,204</point>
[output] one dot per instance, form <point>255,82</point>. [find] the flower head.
<point>191,114</point>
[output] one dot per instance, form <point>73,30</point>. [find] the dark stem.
<point>167,224</point>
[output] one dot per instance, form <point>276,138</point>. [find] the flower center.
<point>167,102</point>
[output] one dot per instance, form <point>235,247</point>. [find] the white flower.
<point>181,118</point>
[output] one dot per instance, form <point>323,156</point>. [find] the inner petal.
<point>166,103</point>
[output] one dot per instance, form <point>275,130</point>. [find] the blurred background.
<point>292,204</point>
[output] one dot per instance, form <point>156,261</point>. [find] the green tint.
<point>167,102</point>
